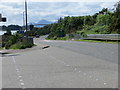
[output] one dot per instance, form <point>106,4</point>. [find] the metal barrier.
<point>114,37</point>
<point>103,35</point>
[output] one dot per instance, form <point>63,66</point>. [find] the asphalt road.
<point>0,72</point>
<point>103,51</point>
<point>65,64</point>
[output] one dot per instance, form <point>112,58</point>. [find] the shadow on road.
<point>8,55</point>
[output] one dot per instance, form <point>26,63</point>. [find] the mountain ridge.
<point>42,21</point>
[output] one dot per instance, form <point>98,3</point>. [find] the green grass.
<point>1,48</point>
<point>64,38</point>
<point>60,38</point>
<point>98,41</point>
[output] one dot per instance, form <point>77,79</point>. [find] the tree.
<point>115,24</point>
<point>104,11</point>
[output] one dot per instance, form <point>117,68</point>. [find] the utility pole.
<point>26,15</point>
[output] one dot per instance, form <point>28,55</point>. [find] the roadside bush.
<point>21,45</point>
<point>97,30</point>
<point>8,44</point>
<point>83,34</point>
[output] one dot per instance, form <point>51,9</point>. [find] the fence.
<point>110,37</point>
<point>103,35</point>
<point>73,36</point>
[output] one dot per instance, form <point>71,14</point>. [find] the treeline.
<point>39,31</point>
<point>11,27</point>
<point>103,22</point>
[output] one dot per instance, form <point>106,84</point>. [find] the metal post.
<point>23,21</point>
<point>26,15</point>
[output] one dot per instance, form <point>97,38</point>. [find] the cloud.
<point>60,0</point>
<point>107,5</point>
<point>49,10</point>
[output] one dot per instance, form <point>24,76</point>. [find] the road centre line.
<point>55,59</point>
<point>75,69</point>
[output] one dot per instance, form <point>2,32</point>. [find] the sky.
<point>50,10</point>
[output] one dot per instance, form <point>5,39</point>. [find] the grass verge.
<point>64,38</point>
<point>59,38</point>
<point>99,41</point>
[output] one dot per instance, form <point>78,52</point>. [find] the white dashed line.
<point>67,65</point>
<point>18,73</point>
<point>22,84</point>
<point>75,69</point>
<point>105,83</point>
<point>14,60</point>
<point>79,71</point>
<point>55,58</point>
<point>21,80</point>
<point>97,79</point>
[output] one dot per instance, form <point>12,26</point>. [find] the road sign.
<point>21,32</point>
<point>2,19</point>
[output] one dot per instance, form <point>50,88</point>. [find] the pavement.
<point>59,67</point>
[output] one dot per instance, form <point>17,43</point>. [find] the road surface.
<point>65,64</point>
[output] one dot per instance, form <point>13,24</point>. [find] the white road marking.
<point>18,73</point>
<point>47,40</point>
<point>79,71</point>
<point>21,80</point>
<point>69,65</point>
<point>14,60</point>
<point>55,58</point>
<point>22,84</point>
<point>75,69</point>
<point>105,83</point>
<point>20,76</point>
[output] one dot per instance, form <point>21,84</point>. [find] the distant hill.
<point>43,21</point>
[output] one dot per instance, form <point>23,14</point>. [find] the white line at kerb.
<point>18,72</point>
<point>13,59</point>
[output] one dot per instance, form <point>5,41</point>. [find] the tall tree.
<point>115,24</point>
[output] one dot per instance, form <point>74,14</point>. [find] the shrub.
<point>21,45</point>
